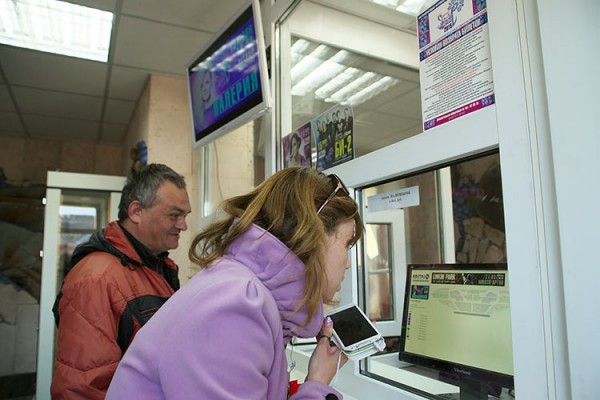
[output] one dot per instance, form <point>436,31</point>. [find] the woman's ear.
<point>134,212</point>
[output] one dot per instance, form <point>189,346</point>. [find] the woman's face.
<point>295,147</point>
<point>336,257</point>
<point>205,86</point>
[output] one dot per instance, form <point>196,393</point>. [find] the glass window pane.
<point>81,214</point>
<point>323,76</point>
<point>379,273</point>
<point>456,218</point>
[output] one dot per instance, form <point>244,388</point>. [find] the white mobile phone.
<point>352,330</point>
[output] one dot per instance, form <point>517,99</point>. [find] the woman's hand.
<point>323,363</point>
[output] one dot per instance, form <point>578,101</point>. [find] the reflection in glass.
<point>377,240</point>
<point>410,7</point>
<point>21,239</point>
<point>385,97</point>
<point>81,214</point>
<point>77,223</point>
<point>459,219</point>
<point>328,73</point>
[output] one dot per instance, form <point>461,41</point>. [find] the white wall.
<point>571,61</point>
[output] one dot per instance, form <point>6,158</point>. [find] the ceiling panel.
<point>127,83</point>
<point>118,111</point>
<point>150,36</point>
<point>10,124</point>
<point>54,72</point>
<point>65,97</point>
<point>55,104</point>
<point>6,103</point>
<point>201,15</point>
<point>162,48</point>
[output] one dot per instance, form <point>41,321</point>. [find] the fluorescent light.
<point>56,27</point>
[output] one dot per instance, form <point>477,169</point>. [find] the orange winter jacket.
<point>105,299</point>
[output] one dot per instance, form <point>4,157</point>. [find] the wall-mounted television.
<point>456,321</point>
<point>228,79</point>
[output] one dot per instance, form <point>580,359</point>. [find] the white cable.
<point>292,361</point>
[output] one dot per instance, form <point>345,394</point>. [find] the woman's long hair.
<point>286,206</point>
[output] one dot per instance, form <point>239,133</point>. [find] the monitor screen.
<point>227,81</point>
<point>457,320</point>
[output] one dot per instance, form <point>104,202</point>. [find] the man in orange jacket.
<point>120,278</point>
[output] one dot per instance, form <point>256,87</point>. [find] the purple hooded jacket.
<point>223,334</point>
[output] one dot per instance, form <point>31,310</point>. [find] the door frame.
<point>56,182</point>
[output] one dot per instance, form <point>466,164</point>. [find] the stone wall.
<point>26,161</point>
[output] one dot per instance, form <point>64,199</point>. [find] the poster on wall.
<point>296,147</point>
<point>455,62</point>
<point>333,131</point>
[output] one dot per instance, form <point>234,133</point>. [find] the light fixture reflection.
<point>327,73</point>
<point>410,7</point>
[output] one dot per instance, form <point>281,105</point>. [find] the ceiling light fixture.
<point>56,27</point>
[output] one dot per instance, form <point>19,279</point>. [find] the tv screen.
<point>227,81</point>
<point>457,320</point>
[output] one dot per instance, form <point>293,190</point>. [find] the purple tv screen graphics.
<point>226,80</point>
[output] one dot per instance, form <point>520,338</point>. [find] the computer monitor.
<point>228,79</point>
<point>456,320</point>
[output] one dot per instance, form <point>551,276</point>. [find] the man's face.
<point>160,225</point>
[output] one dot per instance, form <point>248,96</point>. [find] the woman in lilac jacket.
<point>266,269</point>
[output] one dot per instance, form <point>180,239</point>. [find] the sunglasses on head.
<point>339,186</point>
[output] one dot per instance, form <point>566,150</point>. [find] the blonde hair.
<point>286,206</point>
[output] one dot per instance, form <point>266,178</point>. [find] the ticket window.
<point>451,215</point>
<point>350,54</point>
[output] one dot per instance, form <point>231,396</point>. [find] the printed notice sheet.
<point>455,64</point>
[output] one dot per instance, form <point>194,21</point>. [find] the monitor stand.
<point>470,389</point>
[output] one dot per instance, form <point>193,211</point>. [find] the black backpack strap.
<point>55,307</point>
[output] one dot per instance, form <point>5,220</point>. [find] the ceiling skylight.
<point>56,27</point>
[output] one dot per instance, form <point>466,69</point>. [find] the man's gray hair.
<point>143,185</point>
